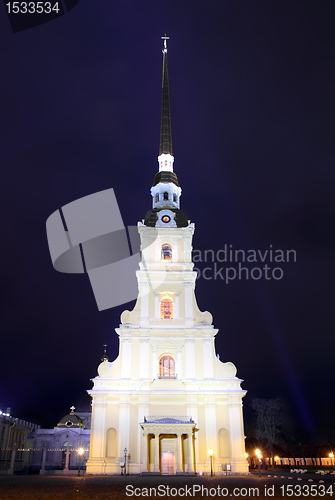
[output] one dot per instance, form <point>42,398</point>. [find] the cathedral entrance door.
<point>168,462</point>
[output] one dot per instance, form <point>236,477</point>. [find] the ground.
<point>117,487</point>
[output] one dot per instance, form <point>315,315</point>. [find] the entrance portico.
<point>163,440</point>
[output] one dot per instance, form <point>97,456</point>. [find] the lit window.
<point>157,198</point>
<point>167,366</point>
<point>166,195</point>
<point>166,308</point>
<point>166,252</point>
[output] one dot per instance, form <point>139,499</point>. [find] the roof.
<point>167,177</point>
<point>71,420</point>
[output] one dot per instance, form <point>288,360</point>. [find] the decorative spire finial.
<point>104,357</point>
<point>72,409</point>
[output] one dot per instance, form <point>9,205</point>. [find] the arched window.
<point>111,443</point>
<point>167,366</point>
<point>175,198</point>
<point>166,252</point>
<point>166,308</point>
<point>224,445</point>
<point>157,197</point>
<point>166,195</point>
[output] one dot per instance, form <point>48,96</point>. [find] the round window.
<point>166,218</point>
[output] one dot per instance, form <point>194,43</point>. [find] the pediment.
<point>166,343</point>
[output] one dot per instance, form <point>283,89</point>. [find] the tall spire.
<point>165,190</point>
<point>165,146</point>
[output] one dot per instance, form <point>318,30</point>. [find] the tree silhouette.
<point>268,421</point>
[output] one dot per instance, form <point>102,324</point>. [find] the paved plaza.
<point>118,487</point>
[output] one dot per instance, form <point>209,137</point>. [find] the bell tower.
<point>166,398</point>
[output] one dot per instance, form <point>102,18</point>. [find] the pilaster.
<point>190,361</point>
<point>208,353</point>
<point>144,357</point>
<point>125,356</point>
<point>123,435</point>
<point>238,461</point>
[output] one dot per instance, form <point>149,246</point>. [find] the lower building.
<point>57,448</point>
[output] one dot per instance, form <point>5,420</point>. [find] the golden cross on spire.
<point>165,44</point>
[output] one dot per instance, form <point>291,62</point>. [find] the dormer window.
<point>166,308</point>
<point>166,195</point>
<point>157,197</point>
<point>167,366</point>
<point>166,252</point>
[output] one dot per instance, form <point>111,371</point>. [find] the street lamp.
<point>331,455</point>
<point>259,456</point>
<point>80,453</point>
<point>210,453</point>
<point>125,461</point>
<point>276,459</point>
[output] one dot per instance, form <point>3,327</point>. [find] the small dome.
<point>71,420</point>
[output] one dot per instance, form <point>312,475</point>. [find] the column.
<point>179,454</point>
<point>145,452</point>
<point>156,461</point>
<point>158,250</point>
<point>175,250</point>
<point>208,357</point>
<point>12,460</point>
<point>188,288</point>
<point>211,431</point>
<point>157,307</point>
<point>98,431</point>
<point>179,372</point>
<point>155,367</point>
<point>192,412</point>
<point>144,293</point>
<point>238,461</point>
<point>190,365</point>
<point>176,306</point>
<point>67,460</point>
<point>125,357</point>
<point>124,418</point>
<point>142,410</point>
<point>144,357</point>
<point>44,457</point>
<point>190,453</point>
<point>187,240</point>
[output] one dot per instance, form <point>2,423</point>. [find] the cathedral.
<point>166,402</point>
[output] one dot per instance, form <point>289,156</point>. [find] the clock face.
<point>166,218</point>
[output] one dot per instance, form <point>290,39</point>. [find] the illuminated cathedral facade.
<point>166,399</point>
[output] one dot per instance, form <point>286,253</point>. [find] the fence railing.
<point>40,460</point>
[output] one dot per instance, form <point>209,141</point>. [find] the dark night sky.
<point>252,109</point>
